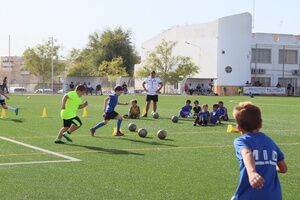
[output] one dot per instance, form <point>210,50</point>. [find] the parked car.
<point>17,90</point>
<point>44,91</point>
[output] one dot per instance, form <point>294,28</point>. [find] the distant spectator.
<point>248,84</point>
<point>198,88</point>
<point>72,86</point>
<point>125,88</point>
<point>278,85</point>
<point>89,88</point>
<point>191,90</point>
<point>289,88</point>
<point>186,88</point>
<point>99,89</point>
<point>4,85</point>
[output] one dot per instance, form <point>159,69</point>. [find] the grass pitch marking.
<point>68,158</point>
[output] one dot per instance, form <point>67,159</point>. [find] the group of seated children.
<point>203,116</point>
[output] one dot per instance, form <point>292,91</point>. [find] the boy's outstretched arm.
<point>64,101</point>
<point>256,181</point>
<point>281,167</point>
<point>85,104</point>
<point>105,103</point>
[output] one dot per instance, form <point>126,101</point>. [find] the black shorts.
<point>2,102</point>
<point>110,115</point>
<point>76,121</point>
<point>153,98</point>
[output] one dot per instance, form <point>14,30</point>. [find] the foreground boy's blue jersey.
<point>113,101</point>
<point>266,155</point>
<point>203,115</point>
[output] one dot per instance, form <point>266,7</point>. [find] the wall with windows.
<point>275,59</point>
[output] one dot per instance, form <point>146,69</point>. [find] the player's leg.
<point>99,125</point>
<point>4,106</point>
<point>148,101</point>
<point>75,124</point>
<point>119,122</point>
<point>66,125</point>
<point>155,100</point>
<point>196,121</point>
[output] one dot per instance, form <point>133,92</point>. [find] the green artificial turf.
<point>192,163</point>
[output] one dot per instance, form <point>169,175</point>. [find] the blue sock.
<point>119,124</point>
<point>99,125</point>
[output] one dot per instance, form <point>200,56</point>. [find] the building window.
<point>260,55</point>
<point>290,56</point>
<point>261,81</point>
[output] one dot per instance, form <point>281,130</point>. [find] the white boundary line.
<point>68,158</point>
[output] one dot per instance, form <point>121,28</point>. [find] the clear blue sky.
<point>29,22</point>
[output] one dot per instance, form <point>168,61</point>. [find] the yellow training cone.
<point>231,129</point>
<point>3,114</point>
<point>115,131</point>
<point>85,113</point>
<point>45,113</point>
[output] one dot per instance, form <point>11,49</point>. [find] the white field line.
<point>68,158</point>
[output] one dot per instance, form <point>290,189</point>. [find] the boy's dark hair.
<point>188,101</point>
<point>80,88</point>
<point>248,116</point>
<point>118,88</point>
<point>221,102</point>
<point>196,101</point>
<point>216,106</point>
<point>134,101</point>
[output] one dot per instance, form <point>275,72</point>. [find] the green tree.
<point>37,60</point>
<point>113,69</point>
<point>171,69</point>
<point>106,46</point>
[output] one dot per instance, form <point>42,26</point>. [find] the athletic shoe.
<point>119,133</point>
<point>67,138</point>
<point>17,111</point>
<point>59,142</point>
<point>92,132</point>
<point>145,115</point>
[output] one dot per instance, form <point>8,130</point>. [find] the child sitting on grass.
<point>222,111</point>
<point>260,158</point>
<point>134,111</point>
<point>203,116</point>
<point>197,108</point>
<point>214,115</point>
<point>186,110</point>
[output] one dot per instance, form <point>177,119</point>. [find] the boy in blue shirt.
<point>203,116</point>
<point>214,115</point>
<point>186,110</point>
<point>109,109</point>
<point>260,158</point>
<point>222,111</point>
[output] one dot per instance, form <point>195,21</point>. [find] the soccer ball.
<point>142,132</point>
<point>132,127</point>
<point>155,115</point>
<point>174,119</point>
<point>161,134</point>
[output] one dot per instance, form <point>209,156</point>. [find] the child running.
<point>3,104</point>
<point>109,109</point>
<point>71,102</point>
<point>260,158</point>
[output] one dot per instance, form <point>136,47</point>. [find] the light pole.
<point>52,68</point>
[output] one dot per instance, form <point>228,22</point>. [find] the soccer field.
<point>192,163</point>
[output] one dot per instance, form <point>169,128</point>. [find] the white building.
<point>228,52</point>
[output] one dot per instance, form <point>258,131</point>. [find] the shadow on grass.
<point>13,120</point>
<point>149,142</point>
<point>110,151</point>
